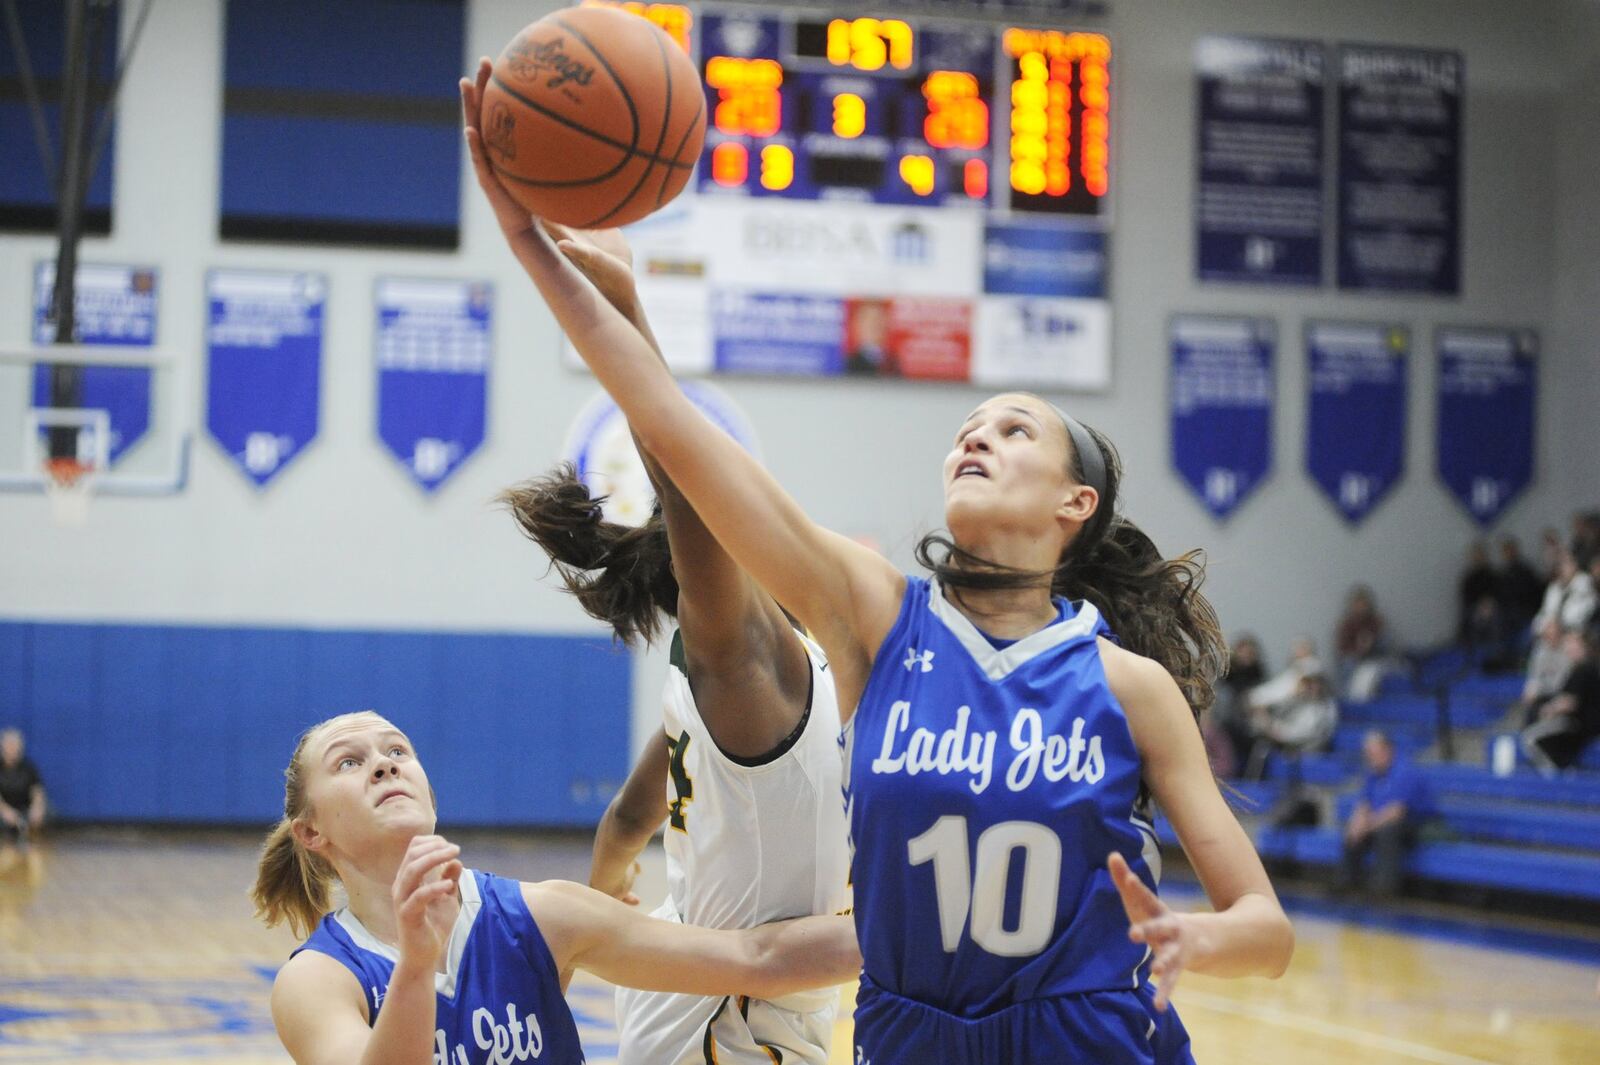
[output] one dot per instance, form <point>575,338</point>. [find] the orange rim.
<point>65,472</point>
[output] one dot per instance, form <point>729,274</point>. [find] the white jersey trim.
<point>444,983</point>
<point>997,664</point>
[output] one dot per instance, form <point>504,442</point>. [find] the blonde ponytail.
<point>292,884</point>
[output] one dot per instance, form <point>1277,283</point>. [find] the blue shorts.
<point>1095,1028</point>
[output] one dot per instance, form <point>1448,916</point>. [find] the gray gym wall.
<point>344,539</point>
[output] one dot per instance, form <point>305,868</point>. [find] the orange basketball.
<point>593,117</point>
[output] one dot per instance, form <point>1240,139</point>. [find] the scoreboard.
<point>898,196</point>
<point>806,106</point>
<point>880,110</point>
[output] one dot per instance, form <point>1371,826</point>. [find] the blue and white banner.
<point>1487,382</point>
<point>1221,395</point>
<point>1399,169</point>
<point>1042,260</point>
<point>1356,412</point>
<point>112,306</point>
<point>433,344</point>
<point>1259,204</point>
<point>264,366</point>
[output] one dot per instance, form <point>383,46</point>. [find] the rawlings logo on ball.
<point>499,131</point>
<point>530,58</point>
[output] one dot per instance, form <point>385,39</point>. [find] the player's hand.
<point>601,255</point>
<point>9,816</point>
<point>621,887</point>
<point>515,221</point>
<point>1152,923</point>
<point>424,915</point>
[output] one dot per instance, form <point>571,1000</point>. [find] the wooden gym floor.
<point>138,946</point>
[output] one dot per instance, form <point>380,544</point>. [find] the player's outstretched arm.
<point>847,595</point>
<point>750,672</point>
<point>590,931</point>
<point>629,821</point>
<point>1249,934</point>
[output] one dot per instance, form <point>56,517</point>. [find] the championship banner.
<point>1356,412</point>
<point>1399,170</point>
<point>264,366</point>
<point>1260,160</point>
<point>433,349</point>
<point>1487,380</point>
<point>601,449</point>
<point>113,306</point>
<point>1221,396</point>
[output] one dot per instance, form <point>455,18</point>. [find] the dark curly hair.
<point>620,575</point>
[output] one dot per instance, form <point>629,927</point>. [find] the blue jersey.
<point>987,785</point>
<point>499,998</point>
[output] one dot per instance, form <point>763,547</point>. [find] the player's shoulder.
<point>314,977</point>
<point>1132,676</point>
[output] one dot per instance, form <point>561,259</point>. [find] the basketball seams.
<point>699,111</point>
<point>627,97</point>
<point>661,135</point>
<point>558,117</point>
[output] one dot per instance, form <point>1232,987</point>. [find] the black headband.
<point>1090,457</point>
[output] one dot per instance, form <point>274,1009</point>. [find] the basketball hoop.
<point>67,484</point>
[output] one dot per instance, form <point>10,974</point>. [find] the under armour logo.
<point>913,658</point>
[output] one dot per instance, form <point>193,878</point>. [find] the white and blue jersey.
<point>987,783</point>
<point>499,998</point>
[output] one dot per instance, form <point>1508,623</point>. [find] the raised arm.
<point>845,594</point>
<point>1248,935</point>
<point>590,931</point>
<point>629,821</point>
<point>747,666</point>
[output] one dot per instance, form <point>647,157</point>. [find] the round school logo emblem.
<point>600,445</point>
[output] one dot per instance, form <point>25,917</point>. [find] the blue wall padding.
<point>195,724</point>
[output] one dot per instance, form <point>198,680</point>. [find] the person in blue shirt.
<point>1007,723</point>
<point>1395,802</point>
<point>431,963</point>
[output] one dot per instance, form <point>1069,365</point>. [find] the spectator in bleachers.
<point>1570,720</point>
<point>1228,729</point>
<point>1480,613</point>
<point>1570,598</point>
<point>21,790</point>
<point>1301,723</point>
<point>1521,587</point>
<point>1359,646</point>
<point>1395,802</point>
<point>1585,537</point>
<point>1550,551</point>
<point>1302,659</point>
<point>1548,667</point>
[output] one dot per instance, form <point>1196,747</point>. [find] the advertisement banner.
<point>264,366</point>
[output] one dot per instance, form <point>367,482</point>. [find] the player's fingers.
<point>419,862</point>
<point>559,232</point>
<point>485,69</point>
<point>1139,902</point>
<point>631,899</point>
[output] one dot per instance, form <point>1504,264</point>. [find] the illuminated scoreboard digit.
<point>1060,126</point>
<point>884,110</point>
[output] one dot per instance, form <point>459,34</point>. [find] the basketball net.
<point>67,483</point>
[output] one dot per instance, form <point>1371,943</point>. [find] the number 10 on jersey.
<point>983,898</point>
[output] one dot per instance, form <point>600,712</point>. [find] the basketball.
<point>593,117</point>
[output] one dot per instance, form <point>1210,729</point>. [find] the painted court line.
<point>1187,999</point>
